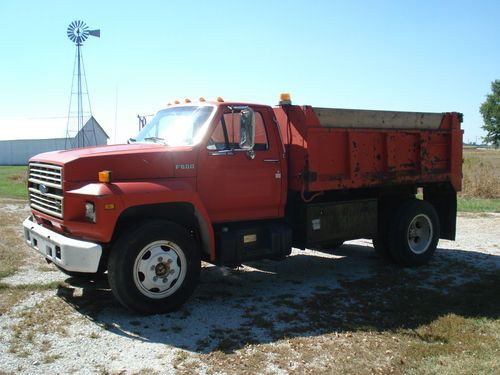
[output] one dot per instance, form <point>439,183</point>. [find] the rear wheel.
<point>155,268</point>
<point>414,233</point>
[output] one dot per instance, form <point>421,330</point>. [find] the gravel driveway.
<point>65,325</point>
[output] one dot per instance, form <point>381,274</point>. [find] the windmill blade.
<point>78,32</point>
<point>96,33</point>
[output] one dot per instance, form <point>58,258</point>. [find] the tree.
<point>490,110</point>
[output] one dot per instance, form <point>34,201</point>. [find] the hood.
<point>127,162</point>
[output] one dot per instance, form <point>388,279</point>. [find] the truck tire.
<point>155,268</point>
<point>413,233</point>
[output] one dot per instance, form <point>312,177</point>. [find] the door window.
<point>226,135</point>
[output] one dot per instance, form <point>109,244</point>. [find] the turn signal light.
<point>105,176</point>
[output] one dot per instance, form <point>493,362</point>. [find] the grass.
<point>12,247</point>
<point>481,181</point>
<point>13,182</point>
<point>35,323</point>
<point>389,323</point>
<point>478,205</point>
<point>481,174</point>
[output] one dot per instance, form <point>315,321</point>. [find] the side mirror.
<point>247,129</point>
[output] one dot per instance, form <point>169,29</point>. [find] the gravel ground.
<point>77,327</point>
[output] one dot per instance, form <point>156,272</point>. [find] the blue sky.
<point>431,56</point>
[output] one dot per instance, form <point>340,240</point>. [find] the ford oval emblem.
<point>43,189</point>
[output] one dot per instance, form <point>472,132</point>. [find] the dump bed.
<point>331,149</point>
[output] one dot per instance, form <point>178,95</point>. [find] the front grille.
<point>45,188</point>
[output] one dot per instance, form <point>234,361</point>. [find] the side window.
<point>218,139</point>
<point>226,135</point>
<point>261,143</point>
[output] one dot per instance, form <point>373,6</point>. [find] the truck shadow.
<point>307,294</point>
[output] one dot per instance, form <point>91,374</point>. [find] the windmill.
<point>76,134</point>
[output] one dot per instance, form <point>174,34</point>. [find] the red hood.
<point>127,162</point>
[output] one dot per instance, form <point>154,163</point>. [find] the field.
<point>341,312</point>
<point>481,181</point>
<point>13,182</point>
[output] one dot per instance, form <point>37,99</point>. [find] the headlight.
<point>90,211</point>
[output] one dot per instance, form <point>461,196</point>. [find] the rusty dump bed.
<point>331,149</point>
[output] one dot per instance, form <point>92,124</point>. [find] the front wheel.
<point>155,268</point>
<point>414,233</point>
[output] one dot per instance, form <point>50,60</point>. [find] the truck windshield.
<point>177,126</point>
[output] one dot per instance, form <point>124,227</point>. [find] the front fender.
<point>114,198</point>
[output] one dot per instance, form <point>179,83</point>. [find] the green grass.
<point>13,182</point>
<point>478,205</point>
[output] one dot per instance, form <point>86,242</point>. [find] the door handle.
<point>271,161</point>
<point>222,153</point>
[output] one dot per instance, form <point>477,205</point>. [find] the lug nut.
<point>152,268</point>
<point>165,280</point>
<point>160,259</point>
<point>155,278</point>
<point>169,261</point>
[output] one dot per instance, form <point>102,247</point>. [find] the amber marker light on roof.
<point>202,99</point>
<point>105,176</point>
<point>219,99</point>
<point>177,102</point>
<point>187,100</point>
<point>285,98</point>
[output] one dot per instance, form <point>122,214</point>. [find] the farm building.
<point>27,138</point>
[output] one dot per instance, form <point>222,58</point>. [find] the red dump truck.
<point>227,183</point>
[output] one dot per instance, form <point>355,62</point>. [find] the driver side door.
<point>240,184</point>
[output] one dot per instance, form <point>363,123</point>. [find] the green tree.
<point>490,110</point>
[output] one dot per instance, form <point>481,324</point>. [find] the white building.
<point>20,140</point>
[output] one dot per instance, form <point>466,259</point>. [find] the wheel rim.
<point>420,234</point>
<point>160,269</point>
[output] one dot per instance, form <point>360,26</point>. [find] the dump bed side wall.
<point>369,148</point>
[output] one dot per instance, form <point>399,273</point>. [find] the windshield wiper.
<point>155,139</point>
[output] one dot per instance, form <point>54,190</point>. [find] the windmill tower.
<point>77,135</point>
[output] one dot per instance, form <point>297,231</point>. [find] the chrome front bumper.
<point>67,253</point>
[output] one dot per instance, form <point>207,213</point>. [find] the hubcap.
<point>420,234</point>
<point>160,269</point>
